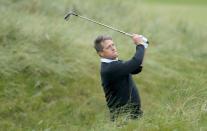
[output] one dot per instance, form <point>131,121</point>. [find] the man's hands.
<point>139,39</point>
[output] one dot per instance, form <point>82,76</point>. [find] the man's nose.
<point>113,48</point>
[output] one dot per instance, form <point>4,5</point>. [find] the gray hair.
<point>97,42</point>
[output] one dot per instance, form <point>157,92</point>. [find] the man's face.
<point>109,50</point>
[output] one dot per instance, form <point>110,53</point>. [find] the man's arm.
<point>132,66</point>
<point>145,43</point>
<point>138,70</point>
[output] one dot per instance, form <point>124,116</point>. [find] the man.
<point>120,90</point>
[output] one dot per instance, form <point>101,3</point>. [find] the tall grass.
<point>49,77</point>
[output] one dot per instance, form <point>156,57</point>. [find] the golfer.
<point>121,93</point>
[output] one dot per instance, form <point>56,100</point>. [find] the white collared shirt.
<point>105,60</point>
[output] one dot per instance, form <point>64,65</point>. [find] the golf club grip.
<point>128,34</point>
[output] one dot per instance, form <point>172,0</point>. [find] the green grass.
<point>49,77</point>
<point>196,2</point>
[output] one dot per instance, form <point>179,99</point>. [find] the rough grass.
<point>49,77</point>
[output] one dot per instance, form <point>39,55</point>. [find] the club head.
<point>69,14</point>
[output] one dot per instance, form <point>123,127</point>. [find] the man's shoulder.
<point>109,67</point>
<point>111,64</point>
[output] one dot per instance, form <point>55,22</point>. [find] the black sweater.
<point>117,80</point>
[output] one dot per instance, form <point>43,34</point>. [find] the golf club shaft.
<point>125,33</point>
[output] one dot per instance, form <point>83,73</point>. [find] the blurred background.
<point>49,71</point>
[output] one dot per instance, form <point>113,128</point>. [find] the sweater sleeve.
<point>138,70</point>
<point>131,66</point>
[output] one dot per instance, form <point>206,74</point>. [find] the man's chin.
<point>115,57</point>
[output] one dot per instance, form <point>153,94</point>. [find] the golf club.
<point>83,17</point>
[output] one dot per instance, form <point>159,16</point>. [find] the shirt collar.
<point>105,60</point>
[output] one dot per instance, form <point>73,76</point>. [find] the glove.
<point>145,41</point>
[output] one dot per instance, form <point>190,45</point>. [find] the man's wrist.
<point>145,45</point>
<point>144,42</point>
